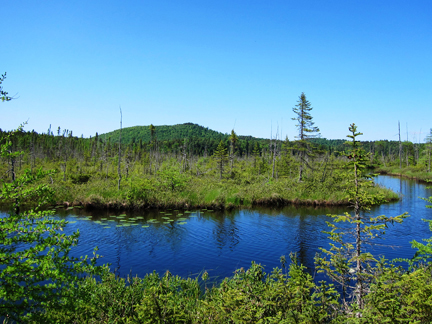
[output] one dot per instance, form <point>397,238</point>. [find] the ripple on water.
<point>221,243</point>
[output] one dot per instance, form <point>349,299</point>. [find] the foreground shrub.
<point>153,299</point>
<point>250,296</point>
<point>400,297</point>
<point>253,297</point>
<point>36,268</point>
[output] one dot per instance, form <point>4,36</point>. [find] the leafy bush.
<point>398,296</point>
<point>35,267</point>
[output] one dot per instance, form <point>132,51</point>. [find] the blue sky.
<point>220,64</point>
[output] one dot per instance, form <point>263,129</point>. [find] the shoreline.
<point>275,202</point>
<point>396,174</point>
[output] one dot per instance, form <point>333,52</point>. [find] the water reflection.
<point>226,233</point>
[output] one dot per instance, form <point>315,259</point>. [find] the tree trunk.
<point>301,167</point>
<point>119,154</point>
<point>400,149</point>
<point>429,165</point>
<point>359,270</point>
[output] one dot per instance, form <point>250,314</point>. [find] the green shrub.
<point>397,296</point>
<point>252,296</point>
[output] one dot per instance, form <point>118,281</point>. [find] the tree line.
<point>66,150</point>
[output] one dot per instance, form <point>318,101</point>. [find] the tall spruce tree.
<point>233,138</point>
<point>256,154</point>
<point>306,130</point>
<point>221,157</point>
<point>348,262</point>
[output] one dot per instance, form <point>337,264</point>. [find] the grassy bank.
<point>412,172</point>
<point>153,192</point>
<point>201,182</point>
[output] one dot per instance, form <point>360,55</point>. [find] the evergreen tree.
<point>349,263</point>
<point>256,153</point>
<point>221,157</point>
<point>306,130</point>
<point>286,160</point>
<point>233,140</point>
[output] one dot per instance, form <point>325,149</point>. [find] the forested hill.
<point>178,132</point>
<point>202,137</point>
<point>164,133</point>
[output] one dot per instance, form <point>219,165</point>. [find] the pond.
<point>187,243</point>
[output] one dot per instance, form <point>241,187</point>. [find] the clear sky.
<point>221,64</point>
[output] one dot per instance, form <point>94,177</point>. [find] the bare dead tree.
<point>119,154</point>
<point>400,148</point>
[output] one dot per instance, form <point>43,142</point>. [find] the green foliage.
<point>221,157</point>
<point>140,190</point>
<point>412,172</point>
<point>306,131</point>
<point>323,184</point>
<point>169,299</point>
<point>212,195</point>
<point>152,130</point>
<point>251,296</point>
<point>305,124</point>
<point>3,94</point>
<point>424,251</point>
<point>233,138</point>
<point>170,177</point>
<point>153,299</point>
<point>35,266</point>
<point>397,296</point>
<point>147,133</point>
<point>171,139</point>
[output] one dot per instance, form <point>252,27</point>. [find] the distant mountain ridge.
<point>166,133</point>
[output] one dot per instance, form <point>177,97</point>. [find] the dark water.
<point>222,242</point>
